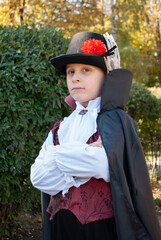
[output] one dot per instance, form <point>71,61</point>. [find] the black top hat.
<point>87,48</point>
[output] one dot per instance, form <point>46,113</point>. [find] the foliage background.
<point>32,98</point>
<point>136,25</point>
<point>31,94</point>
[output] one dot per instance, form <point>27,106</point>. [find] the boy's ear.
<point>70,101</point>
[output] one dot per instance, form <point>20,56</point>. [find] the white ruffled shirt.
<point>73,162</point>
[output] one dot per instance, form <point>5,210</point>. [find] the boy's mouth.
<point>77,88</point>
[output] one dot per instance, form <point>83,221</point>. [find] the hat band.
<point>109,52</point>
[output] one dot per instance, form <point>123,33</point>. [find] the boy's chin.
<point>82,101</point>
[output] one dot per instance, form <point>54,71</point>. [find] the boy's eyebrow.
<point>68,66</point>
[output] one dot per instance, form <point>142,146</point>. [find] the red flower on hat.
<point>93,46</point>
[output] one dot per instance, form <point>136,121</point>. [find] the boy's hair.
<point>88,48</point>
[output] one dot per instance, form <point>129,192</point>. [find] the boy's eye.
<point>86,69</point>
<point>69,72</point>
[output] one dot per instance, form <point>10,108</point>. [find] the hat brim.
<point>61,61</point>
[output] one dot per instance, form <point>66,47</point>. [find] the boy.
<point>92,163</point>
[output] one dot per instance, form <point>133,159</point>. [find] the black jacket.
<point>130,185</point>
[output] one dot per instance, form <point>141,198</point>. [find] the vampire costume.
<point>133,205</point>
<point>119,209</point>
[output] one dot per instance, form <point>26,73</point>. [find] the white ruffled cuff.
<point>50,157</point>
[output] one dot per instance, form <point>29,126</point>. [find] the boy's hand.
<point>98,143</point>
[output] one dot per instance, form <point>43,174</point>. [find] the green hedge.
<point>145,108</point>
<point>31,99</point>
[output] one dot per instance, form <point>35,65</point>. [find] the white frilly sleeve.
<point>82,160</point>
<point>57,168</point>
<point>45,175</point>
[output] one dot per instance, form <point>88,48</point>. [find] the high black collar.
<point>116,89</point>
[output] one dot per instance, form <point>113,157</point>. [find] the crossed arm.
<point>57,168</point>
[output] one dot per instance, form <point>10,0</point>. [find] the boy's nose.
<point>76,77</point>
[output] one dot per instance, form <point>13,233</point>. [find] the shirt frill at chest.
<point>79,127</point>
<point>73,162</point>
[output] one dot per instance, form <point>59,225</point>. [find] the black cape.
<point>130,185</point>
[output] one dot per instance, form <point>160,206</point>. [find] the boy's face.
<point>84,82</point>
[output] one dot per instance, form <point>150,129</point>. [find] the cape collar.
<point>116,89</point>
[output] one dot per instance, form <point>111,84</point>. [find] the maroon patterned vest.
<point>90,202</point>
